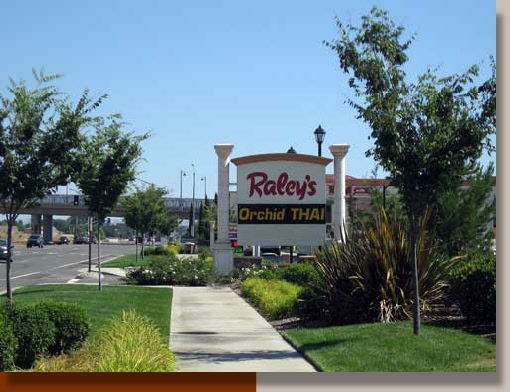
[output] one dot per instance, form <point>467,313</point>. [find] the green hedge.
<point>275,298</point>
<point>33,329</point>
<point>71,322</point>
<point>8,345</point>
<point>40,328</point>
<point>473,286</point>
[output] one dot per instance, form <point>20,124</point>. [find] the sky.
<point>254,74</point>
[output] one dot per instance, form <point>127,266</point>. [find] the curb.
<point>305,355</point>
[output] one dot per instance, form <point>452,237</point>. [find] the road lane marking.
<point>22,276</point>
<point>78,262</point>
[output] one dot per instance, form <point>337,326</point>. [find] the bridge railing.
<point>169,202</point>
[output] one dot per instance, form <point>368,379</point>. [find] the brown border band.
<point>281,157</point>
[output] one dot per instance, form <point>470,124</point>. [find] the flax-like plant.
<point>368,277</point>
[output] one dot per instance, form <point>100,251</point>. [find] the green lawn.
<point>153,302</point>
<point>393,348</point>
<point>130,261</point>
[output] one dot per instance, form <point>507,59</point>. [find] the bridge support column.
<point>48,228</point>
<point>223,257</point>
<point>35,222</point>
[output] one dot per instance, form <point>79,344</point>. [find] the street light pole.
<point>182,174</point>
<point>193,205</point>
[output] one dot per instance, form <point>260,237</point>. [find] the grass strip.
<point>153,302</point>
<point>131,261</point>
<point>392,347</point>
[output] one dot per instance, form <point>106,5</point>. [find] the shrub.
<point>8,345</point>
<point>129,343</point>
<point>368,277</point>
<point>473,286</point>
<point>243,272</point>
<point>276,299</point>
<point>156,250</point>
<point>71,323</point>
<point>301,274</point>
<point>173,271</point>
<point>175,248</point>
<point>33,330</point>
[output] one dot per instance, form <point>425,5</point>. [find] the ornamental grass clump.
<point>368,277</point>
<point>276,299</point>
<point>129,343</point>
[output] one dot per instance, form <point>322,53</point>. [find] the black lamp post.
<point>319,138</point>
<point>384,191</point>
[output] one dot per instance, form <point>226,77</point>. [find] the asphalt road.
<point>54,263</point>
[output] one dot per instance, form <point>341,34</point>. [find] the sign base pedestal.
<point>223,257</point>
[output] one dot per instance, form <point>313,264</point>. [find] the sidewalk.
<point>214,330</point>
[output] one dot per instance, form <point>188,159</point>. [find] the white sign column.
<point>223,258</point>
<point>339,151</point>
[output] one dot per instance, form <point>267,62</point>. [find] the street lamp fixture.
<point>204,179</point>
<point>319,138</point>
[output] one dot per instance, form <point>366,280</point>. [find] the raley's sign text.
<point>281,199</point>
<point>262,185</point>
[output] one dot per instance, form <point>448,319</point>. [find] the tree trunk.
<point>416,294</point>
<point>8,262</point>
<point>89,232</point>
<point>143,250</point>
<point>99,251</point>
<point>136,246</point>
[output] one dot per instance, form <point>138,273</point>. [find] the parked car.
<point>64,241</point>
<point>93,239</point>
<point>3,249</point>
<point>81,240</point>
<point>35,240</point>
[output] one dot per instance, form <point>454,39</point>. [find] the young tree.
<point>145,212</point>
<point>424,132</point>
<point>167,223</point>
<point>39,140</point>
<point>108,162</point>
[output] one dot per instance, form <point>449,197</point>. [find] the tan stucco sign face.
<point>281,199</point>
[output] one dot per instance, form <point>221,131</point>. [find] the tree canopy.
<point>425,133</point>
<point>108,162</point>
<point>40,136</point>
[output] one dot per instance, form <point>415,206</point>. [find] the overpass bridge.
<point>64,205</point>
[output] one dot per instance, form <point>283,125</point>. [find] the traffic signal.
<point>76,201</point>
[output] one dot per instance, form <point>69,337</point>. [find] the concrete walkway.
<point>215,330</point>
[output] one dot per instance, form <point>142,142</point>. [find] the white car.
<point>3,249</point>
